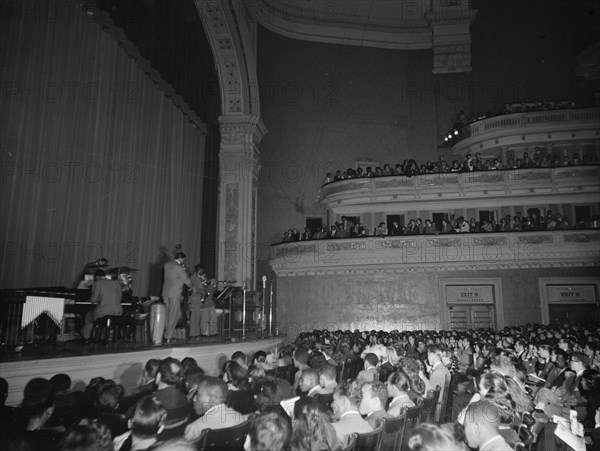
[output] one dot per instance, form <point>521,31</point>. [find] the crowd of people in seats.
<point>345,228</point>
<point>538,159</point>
<point>327,386</point>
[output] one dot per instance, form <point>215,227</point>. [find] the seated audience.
<point>374,397</point>
<point>346,412</point>
<point>312,429</point>
<point>429,437</point>
<point>210,405</point>
<point>482,427</point>
<point>37,405</point>
<point>240,397</point>
<point>269,432</point>
<point>397,390</point>
<point>145,425</point>
<point>169,394</point>
<point>369,373</point>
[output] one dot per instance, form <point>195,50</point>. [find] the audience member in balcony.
<point>429,227</point>
<point>306,235</point>
<point>387,170</point>
<point>576,161</point>
<point>411,168</point>
<point>348,224</point>
<point>333,232</point>
<point>396,230</point>
<point>369,172</point>
<point>320,233</point>
<point>328,178</point>
<point>455,166</point>
<point>462,226</point>
<point>412,228</point>
<point>381,230</point>
<point>446,227</point>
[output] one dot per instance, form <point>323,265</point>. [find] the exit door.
<point>464,317</point>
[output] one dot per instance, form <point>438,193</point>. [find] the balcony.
<point>434,253</point>
<point>554,127</point>
<point>485,188</point>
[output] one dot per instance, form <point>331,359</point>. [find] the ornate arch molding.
<point>230,32</point>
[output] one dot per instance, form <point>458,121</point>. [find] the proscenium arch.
<point>227,26</point>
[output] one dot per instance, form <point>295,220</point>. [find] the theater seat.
<point>231,438</point>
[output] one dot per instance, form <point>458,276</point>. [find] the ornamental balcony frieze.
<point>559,181</point>
<point>563,248</point>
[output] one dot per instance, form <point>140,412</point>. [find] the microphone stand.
<point>262,315</point>
<point>244,314</point>
<point>271,311</point>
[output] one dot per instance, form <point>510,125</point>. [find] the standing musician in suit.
<point>107,294</point>
<point>175,276</point>
<point>199,284</point>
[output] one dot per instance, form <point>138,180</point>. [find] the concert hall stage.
<point>123,364</point>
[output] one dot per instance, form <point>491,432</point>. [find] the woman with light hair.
<point>429,437</point>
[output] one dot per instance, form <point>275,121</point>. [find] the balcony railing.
<point>437,252</point>
<point>550,179</point>
<point>529,119</point>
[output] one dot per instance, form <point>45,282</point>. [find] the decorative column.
<point>239,169</point>
<point>450,21</point>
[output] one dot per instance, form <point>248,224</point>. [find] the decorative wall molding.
<point>425,253</point>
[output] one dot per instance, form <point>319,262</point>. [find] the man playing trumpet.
<point>203,315</point>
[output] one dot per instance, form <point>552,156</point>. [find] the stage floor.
<point>123,364</point>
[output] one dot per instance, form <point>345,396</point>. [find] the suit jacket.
<point>107,293</point>
<point>556,378</point>
<point>438,376</point>
<point>350,423</point>
<point>176,404</point>
<point>369,375</point>
<point>217,417</point>
<point>175,278</point>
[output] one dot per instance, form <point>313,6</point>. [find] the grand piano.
<point>21,309</point>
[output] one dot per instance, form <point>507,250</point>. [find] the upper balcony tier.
<point>476,189</point>
<point>536,128</point>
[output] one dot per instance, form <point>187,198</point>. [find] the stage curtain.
<point>96,160</point>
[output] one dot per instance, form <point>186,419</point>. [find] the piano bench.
<point>112,326</point>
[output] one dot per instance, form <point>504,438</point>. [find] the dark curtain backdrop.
<point>96,161</point>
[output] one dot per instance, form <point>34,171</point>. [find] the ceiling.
<point>400,24</point>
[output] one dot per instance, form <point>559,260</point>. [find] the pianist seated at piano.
<point>106,293</point>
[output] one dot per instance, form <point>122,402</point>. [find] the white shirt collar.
<point>492,440</point>
<point>350,412</point>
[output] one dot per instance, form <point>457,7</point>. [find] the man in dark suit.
<point>107,294</point>
<point>175,277</point>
